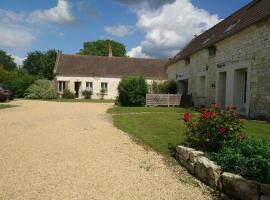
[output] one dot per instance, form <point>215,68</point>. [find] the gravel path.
<point>62,151</point>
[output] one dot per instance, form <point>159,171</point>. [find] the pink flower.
<point>221,131</point>
<point>186,117</point>
<point>207,115</point>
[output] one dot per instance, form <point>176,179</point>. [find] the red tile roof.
<point>252,13</point>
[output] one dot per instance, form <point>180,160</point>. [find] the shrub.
<point>132,91</point>
<point>41,89</point>
<point>247,157</point>
<point>212,128</point>
<point>87,94</point>
<point>67,94</point>
<point>18,80</point>
<point>164,87</point>
<point>102,93</point>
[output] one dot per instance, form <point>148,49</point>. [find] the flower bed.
<point>219,134</point>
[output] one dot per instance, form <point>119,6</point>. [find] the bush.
<point>247,157</point>
<point>212,128</point>
<point>67,94</point>
<point>165,87</point>
<point>102,93</point>
<point>87,94</point>
<point>18,80</point>
<point>132,91</point>
<point>41,89</point>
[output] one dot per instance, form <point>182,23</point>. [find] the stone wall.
<point>249,50</point>
<point>211,174</point>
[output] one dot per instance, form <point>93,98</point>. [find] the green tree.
<point>101,48</point>
<point>41,63</point>
<point>7,61</point>
<point>132,91</point>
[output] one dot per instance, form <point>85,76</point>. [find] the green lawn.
<point>162,128</point>
<point>4,106</point>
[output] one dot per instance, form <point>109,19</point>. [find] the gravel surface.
<point>62,151</point>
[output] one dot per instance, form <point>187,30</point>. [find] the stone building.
<point>229,63</point>
<point>78,73</point>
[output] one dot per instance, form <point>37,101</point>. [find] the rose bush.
<point>212,128</point>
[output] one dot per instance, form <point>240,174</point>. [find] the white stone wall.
<point>250,50</point>
<point>96,81</point>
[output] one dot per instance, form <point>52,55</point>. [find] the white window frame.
<point>106,86</point>
<point>89,86</point>
<point>61,86</point>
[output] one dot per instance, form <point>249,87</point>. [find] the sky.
<point>148,28</point>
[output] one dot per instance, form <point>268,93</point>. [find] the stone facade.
<point>112,84</point>
<point>238,74</point>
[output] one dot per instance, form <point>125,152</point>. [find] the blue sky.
<point>148,28</point>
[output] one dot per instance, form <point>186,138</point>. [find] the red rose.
<point>207,115</point>
<point>186,117</point>
<point>221,131</point>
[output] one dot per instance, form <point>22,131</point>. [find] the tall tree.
<point>41,63</point>
<point>7,61</point>
<point>101,48</point>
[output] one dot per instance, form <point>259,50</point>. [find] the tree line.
<point>40,64</point>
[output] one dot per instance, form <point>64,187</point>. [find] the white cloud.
<point>18,60</point>
<point>171,27</point>
<point>137,53</point>
<point>119,31</point>
<point>61,14</point>
<point>14,32</point>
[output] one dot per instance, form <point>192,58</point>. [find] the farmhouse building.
<point>230,63</point>
<point>78,73</point>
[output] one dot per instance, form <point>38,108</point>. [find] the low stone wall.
<point>211,174</point>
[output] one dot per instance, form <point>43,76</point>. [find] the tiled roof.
<point>99,66</point>
<point>250,14</point>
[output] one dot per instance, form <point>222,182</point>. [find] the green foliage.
<point>212,128</point>
<point>18,80</point>
<point>41,89</point>
<point>101,48</point>
<point>87,94</point>
<point>67,94</point>
<point>102,93</point>
<point>165,87</point>
<point>132,91</point>
<point>248,157</point>
<point>41,63</point>
<point>7,61</point>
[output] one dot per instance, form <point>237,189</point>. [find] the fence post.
<point>168,100</point>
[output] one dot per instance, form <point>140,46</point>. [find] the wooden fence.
<point>163,100</point>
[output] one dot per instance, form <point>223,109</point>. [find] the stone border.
<point>211,174</point>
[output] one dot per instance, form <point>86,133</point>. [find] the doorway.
<point>77,88</point>
<point>222,89</point>
<point>240,90</point>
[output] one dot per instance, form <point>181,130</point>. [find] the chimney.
<point>110,51</point>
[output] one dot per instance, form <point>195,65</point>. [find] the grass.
<point>4,106</point>
<point>162,128</point>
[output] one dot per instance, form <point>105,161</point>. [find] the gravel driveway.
<point>62,151</point>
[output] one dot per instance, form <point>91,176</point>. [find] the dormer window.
<point>212,51</point>
<point>231,27</point>
<point>187,61</point>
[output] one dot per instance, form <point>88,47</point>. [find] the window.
<point>187,60</point>
<point>231,27</point>
<point>212,51</point>
<point>61,86</point>
<point>104,86</point>
<point>89,86</point>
